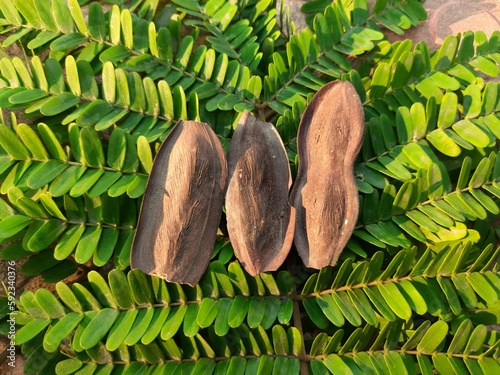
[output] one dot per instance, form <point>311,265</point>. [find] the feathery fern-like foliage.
<point>85,110</point>
<point>230,316</point>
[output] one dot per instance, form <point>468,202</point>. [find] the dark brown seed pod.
<point>182,205</point>
<point>324,194</point>
<point>260,220</point>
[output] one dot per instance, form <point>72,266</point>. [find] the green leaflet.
<point>28,10</point>
<point>14,147</point>
<point>49,304</point>
<point>12,225</point>
<point>413,297</point>
<point>120,289</point>
<point>87,244</point>
<point>315,313</point>
<point>59,104</point>
<point>101,289</point>
<point>98,327</point>
<point>67,41</point>
<point>31,329</point>
<point>331,310</point>
<point>207,312</point>
<point>68,297</point>
<point>45,173</point>
<point>471,133</point>
<point>395,300</point>
<point>173,322</point>
<point>106,246</point>
<point>85,182</point>
<point>33,143</point>
<point>67,243</point>
<point>238,311</point>
<point>63,328</point>
<point>77,16</point>
<point>482,287</point>
<point>120,329</point>
<point>68,365</point>
<point>156,325</point>
<point>51,142</point>
<point>433,337</point>
<point>190,326</point>
<point>91,147</point>
<point>65,181</point>
<point>141,287</point>
<point>94,112</point>
<point>341,299</point>
<point>272,307</point>
<point>62,16</point>
<point>10,12</point>
<point>221,322</point>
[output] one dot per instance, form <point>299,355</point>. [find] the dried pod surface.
<point>182,205</point>
<point>260,220</point>
<point>324,194</point>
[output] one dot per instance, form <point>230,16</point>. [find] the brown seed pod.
<point>182,205</point>
<point>260,220</point>
<point>324,195</point>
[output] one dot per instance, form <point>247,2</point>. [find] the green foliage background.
<point>417,288</point>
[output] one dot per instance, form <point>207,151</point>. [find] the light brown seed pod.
<point>182,205</point>
<point>324,194</point>
<point>260,220</point>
